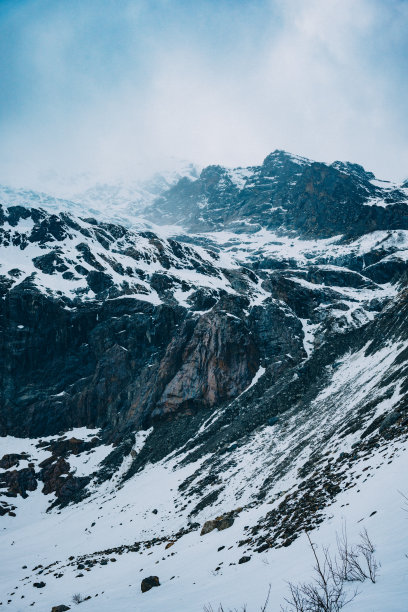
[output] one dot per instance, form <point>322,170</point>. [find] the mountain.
<point>314,200</point>
<point>117,200</point>
<point>186,396</point>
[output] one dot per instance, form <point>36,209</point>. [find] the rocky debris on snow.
<point>54,472</point>
<point>102,558</point>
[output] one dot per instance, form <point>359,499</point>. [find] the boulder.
<point>18,482</point>
<point>208,526</point>
<point>221,522</point>
<point>149,582</point>
<point>224,523</point>
<point>60,608</point>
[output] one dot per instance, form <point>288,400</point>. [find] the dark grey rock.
<point>148,583</point>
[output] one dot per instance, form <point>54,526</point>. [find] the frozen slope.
<point>196,581</point>
<point>338,461</point>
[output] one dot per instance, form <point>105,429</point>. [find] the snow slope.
<point>131,522</point>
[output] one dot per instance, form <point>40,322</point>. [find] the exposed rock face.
<point>313,199</point>
<point>217,363</point>
<point>50,473</point>
<point>11,460</point>
<point>18,482</point>
<point>77,373</point>
<point>303,300</point>
<point>278,332</point>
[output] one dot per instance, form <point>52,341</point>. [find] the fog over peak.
<point>122,89</point>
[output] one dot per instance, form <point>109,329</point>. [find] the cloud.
<point>114,87</point>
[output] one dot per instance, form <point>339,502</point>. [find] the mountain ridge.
<point>246,365</point>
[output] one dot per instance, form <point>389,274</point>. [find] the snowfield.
<point>187,571</point>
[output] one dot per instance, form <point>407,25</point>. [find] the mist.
<point>124,88</point>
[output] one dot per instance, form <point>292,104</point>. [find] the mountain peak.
<point>279,155</point>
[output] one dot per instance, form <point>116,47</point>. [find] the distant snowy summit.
<point>120,239</point>
<point>119,200</point>
<point>286,193</point>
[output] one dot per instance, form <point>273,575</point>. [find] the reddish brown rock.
<point>217,363</point>
<point>18,482</point>
<point>51,471</point>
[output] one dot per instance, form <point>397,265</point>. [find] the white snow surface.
<point>130,273</point>
<point>247,247</point>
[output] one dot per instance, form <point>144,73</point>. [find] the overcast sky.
<point>107,85</point>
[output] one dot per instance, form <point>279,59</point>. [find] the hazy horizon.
<point>119,89</point>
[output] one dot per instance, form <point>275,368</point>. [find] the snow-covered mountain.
<point>189,392</point>
<point>118,200</point>
<point>286,193</point>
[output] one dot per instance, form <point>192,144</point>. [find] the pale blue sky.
<point>107,85</point>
